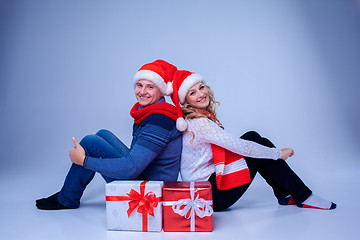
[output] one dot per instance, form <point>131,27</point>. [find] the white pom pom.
<point>169,89</point>
<point>181,124</point>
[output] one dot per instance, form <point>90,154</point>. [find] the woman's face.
<point>198,96</point>
<point>147,92</point>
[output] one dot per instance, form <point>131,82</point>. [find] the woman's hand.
<point>286,153</point>
<point>77,153</point>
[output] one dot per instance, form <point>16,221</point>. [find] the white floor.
<point>255,216</point>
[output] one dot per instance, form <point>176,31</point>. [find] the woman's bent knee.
<point>251,135</point>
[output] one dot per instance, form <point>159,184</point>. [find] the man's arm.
<point>153,138</point>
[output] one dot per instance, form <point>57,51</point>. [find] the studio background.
<point>287,69</point>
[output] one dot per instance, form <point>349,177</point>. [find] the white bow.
<point>200,207</point>
<point>190,207</point>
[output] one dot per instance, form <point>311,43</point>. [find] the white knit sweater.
<point>197,162</point>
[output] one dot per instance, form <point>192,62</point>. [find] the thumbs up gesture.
<point>77,153</point>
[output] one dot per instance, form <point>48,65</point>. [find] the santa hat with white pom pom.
<point>183,80</point>
<point>160,73</point>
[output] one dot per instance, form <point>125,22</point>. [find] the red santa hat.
<point>182,82</point>
<point>160,73</point>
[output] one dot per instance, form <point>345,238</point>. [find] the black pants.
<point>277,174</point>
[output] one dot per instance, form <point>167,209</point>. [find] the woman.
<point>155,148</point>
<point>230,163</point>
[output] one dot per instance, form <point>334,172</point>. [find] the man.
<point>155,149</point>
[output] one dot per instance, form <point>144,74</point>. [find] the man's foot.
<point>50,203</point>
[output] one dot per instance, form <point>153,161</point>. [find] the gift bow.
<point>193,206</point>
<point>145,203</point>
<point>189,207</point>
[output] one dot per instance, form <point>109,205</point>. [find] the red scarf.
<point>164,108</point>
<point>231,169</point>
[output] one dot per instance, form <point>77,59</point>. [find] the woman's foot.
<point>317,202</point>
<point>287,201</point>
<point>50,203</point>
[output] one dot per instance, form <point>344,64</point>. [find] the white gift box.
<point>134,205</point>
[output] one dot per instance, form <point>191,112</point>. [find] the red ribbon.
<point>144,203</point>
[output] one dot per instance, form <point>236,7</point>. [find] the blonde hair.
<point>190,112</point>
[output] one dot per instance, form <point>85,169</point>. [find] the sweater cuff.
<point>278,154</point>
<point>85,164</point>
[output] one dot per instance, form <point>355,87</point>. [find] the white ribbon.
<point>194,206</point>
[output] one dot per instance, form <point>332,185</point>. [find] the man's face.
<point>147,93</point>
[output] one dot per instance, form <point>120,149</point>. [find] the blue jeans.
<point>104,144</point>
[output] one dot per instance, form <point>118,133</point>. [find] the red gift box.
<point>187,206</point>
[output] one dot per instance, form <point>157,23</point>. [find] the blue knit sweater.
<point>155,153</point>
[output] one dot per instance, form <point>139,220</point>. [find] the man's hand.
<point>77,153</point>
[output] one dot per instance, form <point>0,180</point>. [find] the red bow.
<point>145,204</point>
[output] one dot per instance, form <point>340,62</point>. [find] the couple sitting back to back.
<point>186,137</point>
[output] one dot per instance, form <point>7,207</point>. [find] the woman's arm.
<point>209,132</point>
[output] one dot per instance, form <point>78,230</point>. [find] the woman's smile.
<point>202,99</point>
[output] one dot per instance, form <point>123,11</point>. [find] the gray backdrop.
<point>288,69</point>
